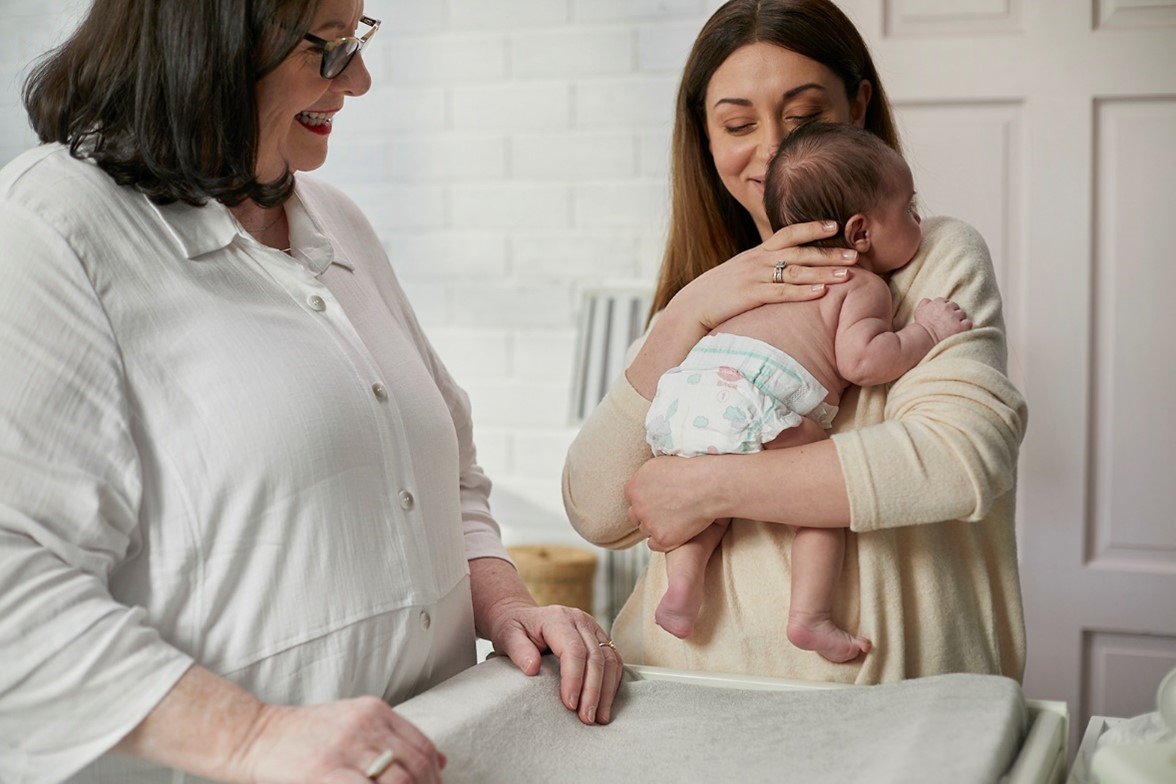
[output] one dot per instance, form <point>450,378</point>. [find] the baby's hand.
<point>942,318</point>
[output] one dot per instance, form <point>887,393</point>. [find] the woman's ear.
<point>860,102</point>
<point>857,233</point>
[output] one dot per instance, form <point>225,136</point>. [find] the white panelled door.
<point>1051,126</point>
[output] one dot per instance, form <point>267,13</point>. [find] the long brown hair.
<point>707,225</point>
<point>162,94</point>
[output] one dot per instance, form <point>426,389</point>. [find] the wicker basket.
<point>556,574</point>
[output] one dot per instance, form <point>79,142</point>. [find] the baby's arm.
<point>869,351</point>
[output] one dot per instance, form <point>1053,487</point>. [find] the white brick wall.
<point>510,153</point>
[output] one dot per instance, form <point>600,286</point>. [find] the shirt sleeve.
<point>483,537</point>
<point>80,670</point>
<point>947,444</point>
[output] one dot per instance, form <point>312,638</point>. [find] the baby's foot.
<point>815,632</point>
<point>678,609</point>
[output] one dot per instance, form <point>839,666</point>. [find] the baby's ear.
<point>857,233</point>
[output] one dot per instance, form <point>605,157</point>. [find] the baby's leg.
<point>807,432</point>
<point>816,564</point>
<point>686,570</point>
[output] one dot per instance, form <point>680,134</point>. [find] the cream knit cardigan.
<point>930,464</point>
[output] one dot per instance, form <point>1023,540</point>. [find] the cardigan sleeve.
<point>607,451</point>
<point>947,444</point>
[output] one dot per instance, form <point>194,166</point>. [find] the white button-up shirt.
<point>212,451</point>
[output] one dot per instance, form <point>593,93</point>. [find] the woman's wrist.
<point>205,725</point>
<point>721,475</point>
<point>497,590</point>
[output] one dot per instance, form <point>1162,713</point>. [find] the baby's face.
<point>895,233</point>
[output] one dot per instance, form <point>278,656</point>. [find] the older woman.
<point>240,511</point>
<point>922,471</point>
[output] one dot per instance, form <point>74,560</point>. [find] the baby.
<point>773,376</point>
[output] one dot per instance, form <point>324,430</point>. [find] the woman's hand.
<point>212,727</point>
<point>749,280</point>
<point>590,668</point>
<point>339,742</point>
<point>671,499</point>
<point>739,284</point>
<point>505,613</point>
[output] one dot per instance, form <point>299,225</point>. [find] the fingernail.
<point>849,255</point>
<point>829,225</point>
<point>818,286</point>
<point>591,715</point>
<point>574,701</point>
<point>840,273</point>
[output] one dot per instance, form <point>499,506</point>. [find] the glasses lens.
<point>336,58</point>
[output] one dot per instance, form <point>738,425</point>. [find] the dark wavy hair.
<point>828,170</point>
<point>162,94</point>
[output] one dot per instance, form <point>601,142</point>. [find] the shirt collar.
<point>211,227</point>
<point>309,245</point>
<point>199,230</point>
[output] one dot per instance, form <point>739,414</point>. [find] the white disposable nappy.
<point>731,395</point>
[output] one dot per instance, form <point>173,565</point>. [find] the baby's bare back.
<point>806,331</point>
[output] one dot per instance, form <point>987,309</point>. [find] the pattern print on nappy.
<point>708,406</point>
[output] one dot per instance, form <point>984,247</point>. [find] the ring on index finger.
<point>778,272</point>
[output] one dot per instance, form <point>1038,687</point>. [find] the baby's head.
<point>832,171</point>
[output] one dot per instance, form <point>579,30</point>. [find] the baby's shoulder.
<point>862,284</point>
<point>864,295</point>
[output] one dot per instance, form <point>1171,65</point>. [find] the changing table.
<point>497,725</point>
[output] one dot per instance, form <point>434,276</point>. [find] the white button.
<point>316,302</point>
<point>406,499</point>
<point>379,391</point>
<point>425,620</point>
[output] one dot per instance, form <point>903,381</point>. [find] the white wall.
<point>509,153</point>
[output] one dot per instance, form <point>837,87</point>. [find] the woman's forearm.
<point>799,486</point>
<point>496,587</point>
<point>204,725</point>
<point>675,498</point>
<point>802,486</point>
<point>669,340</point>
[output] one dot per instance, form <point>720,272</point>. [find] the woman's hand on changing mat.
<point>670,499</point>
<point>590,667</point>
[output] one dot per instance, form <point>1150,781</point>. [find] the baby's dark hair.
<point>827,171</point>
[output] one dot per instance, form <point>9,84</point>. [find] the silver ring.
<point>606,644</point>
<point>778,273</point>
<point>380,764</point>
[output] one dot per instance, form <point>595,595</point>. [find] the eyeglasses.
<point>338,54</point>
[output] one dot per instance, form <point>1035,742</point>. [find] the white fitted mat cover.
<point>497,725</point>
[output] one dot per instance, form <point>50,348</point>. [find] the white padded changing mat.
<point>497,725</point>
